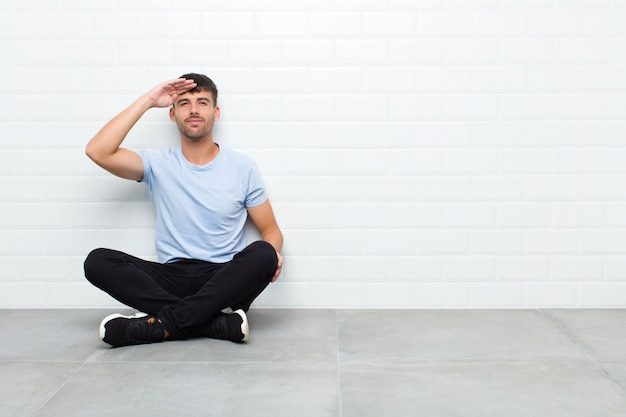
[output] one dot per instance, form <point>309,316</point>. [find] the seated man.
<point>206,277</point>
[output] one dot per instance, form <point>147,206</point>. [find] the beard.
<point>195,134</point>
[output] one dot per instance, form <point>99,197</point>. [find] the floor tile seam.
<point>580,345</point>
<point>563,330</point>
<point>620,384</point>
<point>215,362</point>
<point>473,362</point>
<point>64,383</point>
<point>338,357</point>
<point>620,363</point>
<point>34,361</point>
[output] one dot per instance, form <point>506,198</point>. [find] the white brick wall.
<point>419,153</point>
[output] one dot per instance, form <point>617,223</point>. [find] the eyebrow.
<point>201,98</point>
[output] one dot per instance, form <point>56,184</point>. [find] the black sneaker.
<point>231,326</point>
<point>118,330</point>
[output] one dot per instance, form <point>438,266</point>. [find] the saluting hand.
<point>166,93</point>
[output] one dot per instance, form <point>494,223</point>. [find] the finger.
<point>177,82</point>
<point>180,85</point>
<point>276,274</point>
<point>186,84</point>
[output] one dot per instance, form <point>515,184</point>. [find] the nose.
<point>193,108</point>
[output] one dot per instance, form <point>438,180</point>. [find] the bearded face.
<point>195,114</point>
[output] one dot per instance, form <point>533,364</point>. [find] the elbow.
<point>90,152</point>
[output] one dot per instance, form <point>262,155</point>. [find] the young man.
<point>206,277</point>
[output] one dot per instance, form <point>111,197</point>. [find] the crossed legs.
<point>186,296</point>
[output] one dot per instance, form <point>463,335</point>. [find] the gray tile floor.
<point>350,363</point>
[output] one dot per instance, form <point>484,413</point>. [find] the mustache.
<point>194,116</point>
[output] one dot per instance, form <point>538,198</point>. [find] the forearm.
<point>274,238</point>
<point>109,139</point>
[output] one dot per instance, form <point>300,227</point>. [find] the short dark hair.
<point>203,83</point>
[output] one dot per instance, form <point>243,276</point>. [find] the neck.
<point>199,152</point>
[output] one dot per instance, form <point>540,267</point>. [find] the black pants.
<point>184,295</point>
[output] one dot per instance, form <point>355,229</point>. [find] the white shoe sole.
<point>102,330</point>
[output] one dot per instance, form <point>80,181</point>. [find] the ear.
<point>216,113</point>
<point>172,114</point>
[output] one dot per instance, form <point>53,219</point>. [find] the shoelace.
<point>144,331</point>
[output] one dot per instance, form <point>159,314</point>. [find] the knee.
<point>95,264</point>
<point>265,252</point>
<point>94,258</point>
<point>260,256</point>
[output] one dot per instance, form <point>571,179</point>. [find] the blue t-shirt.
<point>201,210</point>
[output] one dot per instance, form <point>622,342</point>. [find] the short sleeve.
<point>255,195</point>
<point>147,166</point>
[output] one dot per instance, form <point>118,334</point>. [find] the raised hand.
<point>166,93</point>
